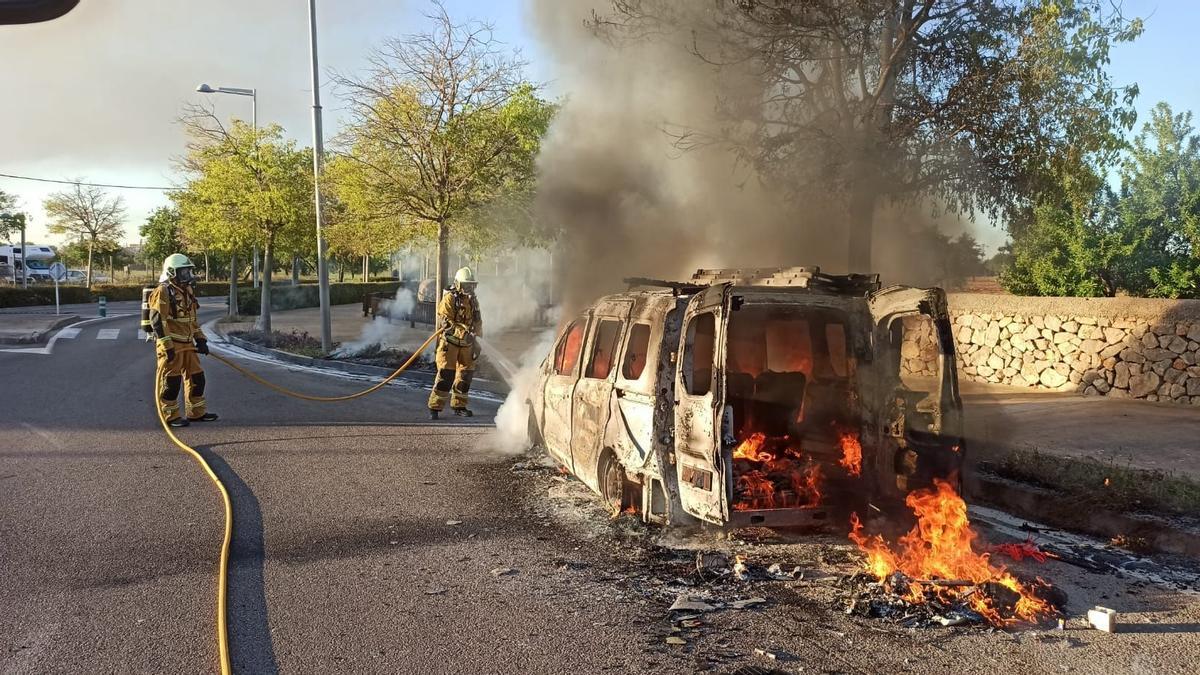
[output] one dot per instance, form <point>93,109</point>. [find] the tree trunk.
<point>341,271</point>
<point>206,278</point>
<point>91,247</point>
<point>264,312</point>
<point>366,268</point>
<point>233,291</point>
<point>443,259</point>
<point>295,269</point>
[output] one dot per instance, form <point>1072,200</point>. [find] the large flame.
<point>941,546</point>
<point>774,475</point>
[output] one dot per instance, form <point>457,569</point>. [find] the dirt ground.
<point>802,626</point>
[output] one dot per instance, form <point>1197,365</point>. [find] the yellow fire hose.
<point>223,567</point>
<point>309,397</point>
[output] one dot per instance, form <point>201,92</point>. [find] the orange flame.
<point>941,546</point>
<point>851,454</point>
<point>778,478</point>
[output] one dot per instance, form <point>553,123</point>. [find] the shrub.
<point>306,295</point>
<point>43,294</point>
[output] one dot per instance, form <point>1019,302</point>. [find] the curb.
<point>36,337</point>
<point>420,377</point>
<point>1164,535</point>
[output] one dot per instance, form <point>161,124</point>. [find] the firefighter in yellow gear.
<point>458,347</point>
<point>173,320</point>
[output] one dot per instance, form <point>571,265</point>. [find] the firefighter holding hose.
<point>458,346</point>
<point>173,320</point>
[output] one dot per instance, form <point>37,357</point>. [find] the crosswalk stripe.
<point>108,334</point>
<point>69,333</point>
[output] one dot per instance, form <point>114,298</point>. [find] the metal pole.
<point>24,259</point>
<point>318,158</point>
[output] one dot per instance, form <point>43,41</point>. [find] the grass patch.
<point>1103,484</point>
<point>295,342</point>
<point>376,355</point>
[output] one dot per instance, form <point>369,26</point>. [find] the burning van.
<point>753,396</point>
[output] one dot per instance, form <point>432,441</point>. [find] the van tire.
<point>610,478</point>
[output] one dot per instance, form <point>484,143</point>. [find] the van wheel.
<point>611,479</point>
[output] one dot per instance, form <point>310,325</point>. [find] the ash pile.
<point>930,603</point>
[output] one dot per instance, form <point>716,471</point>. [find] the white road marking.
<point>69,333</point>
<point>45,435</point>
<point>49,348</point>
<point>108,334</point>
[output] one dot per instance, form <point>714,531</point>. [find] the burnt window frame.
<point>688,364</point>
<point>582,323</point>
<point>629,337</point>
<point>594,342</point>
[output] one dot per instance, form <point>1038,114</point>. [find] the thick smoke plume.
<point>626,171</point>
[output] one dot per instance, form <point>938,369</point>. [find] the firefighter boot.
<point>463,412</point>
<point>433,414</point>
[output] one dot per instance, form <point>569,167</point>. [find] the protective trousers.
<point>183,370</point>
<point>455,368</point>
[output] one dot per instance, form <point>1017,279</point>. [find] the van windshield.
<point>37,265</point>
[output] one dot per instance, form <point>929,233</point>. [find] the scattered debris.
<point>674,640</point>
<point>503,571</point>
<point>740,572</point>
<point>685,604</point>
<point>775,571</point>
<point>454,522</point>
<point>434,591</point>
<point>1103,618</point>
<point>1023,550</point>
<point>747,603</point>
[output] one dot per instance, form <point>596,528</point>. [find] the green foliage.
<point>1143,241</point>
<point>305,295</point>
<point>44,294</point>
<point>161,235</point>
<point>11,224</point>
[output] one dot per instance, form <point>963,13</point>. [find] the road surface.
<point>371,540</point>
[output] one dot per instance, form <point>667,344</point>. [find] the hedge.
<point>43,294</point>
<point>306,295</point>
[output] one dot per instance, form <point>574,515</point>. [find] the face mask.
<point>184,275</point>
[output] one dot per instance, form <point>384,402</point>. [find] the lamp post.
<point>253,94</point>
<point>318,158</point>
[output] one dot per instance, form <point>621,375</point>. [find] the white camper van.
<point>34,261</point>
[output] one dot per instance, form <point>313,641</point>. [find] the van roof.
<point>809,278</point>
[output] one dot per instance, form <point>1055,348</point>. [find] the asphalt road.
<point>345,558</point>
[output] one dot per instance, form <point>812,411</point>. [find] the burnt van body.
<point>752,397</point>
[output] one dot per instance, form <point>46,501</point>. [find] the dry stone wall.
<point>1119,347</point>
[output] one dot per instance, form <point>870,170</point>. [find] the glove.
<point>201,346</point>
<point>170,353</point>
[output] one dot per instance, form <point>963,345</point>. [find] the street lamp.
<point>318,157</point>
<point>253,94</point>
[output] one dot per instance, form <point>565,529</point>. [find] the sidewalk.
<point>350,326</point>
<point>19,329</point>
<point>1133,434</point>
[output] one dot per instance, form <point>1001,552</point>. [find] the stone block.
<point>1091,346</point>
<point>1193,386</point>
<point>1041,343</point>
<point>1070,326</point>
<point>995,362</point>
<point>1053,322</point>
<point>1172,375</point>
<point>1177,391</point>
<point>1048,335</point>
<point>1031,333</point>
<point>1177,344</point>
<point>1150,341</point>
<point>1086,320</point>
<point>1160,367</point>
<point>1132,355</point>
<point>1193,332</point>
<point>985,371</point>
<point>1143,384</point>
<point>1038,322</point>
<point>1114,335</point>
<point>1090,391</point>
<point>1052,378</point>
<point>1111,351</point>
<point>992,335</point>
<point>1109,363</point>
<point>1121,370</point>
<point>1158,354</point>
<point>1179,364</point>
<point>1060,338</point>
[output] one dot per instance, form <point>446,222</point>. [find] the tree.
<point>441,124</point>
<point>8,220</point>
<point>1071,251</point>
<point>1160,205</point>
<point>995,104</point>
<point>86,213</point>
<point>245,188</point>
<point>161,234</point>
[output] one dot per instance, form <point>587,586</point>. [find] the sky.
<point>95,94</point>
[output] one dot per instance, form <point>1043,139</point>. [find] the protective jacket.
<point>461,318</point>
<point>173,312</point>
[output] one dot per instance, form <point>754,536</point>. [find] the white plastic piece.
<point>1103,618</point>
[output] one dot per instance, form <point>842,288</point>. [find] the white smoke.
<point>511,436</point>
<point>379,331</point>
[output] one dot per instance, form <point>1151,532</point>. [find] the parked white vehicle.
<point>34,261</point>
